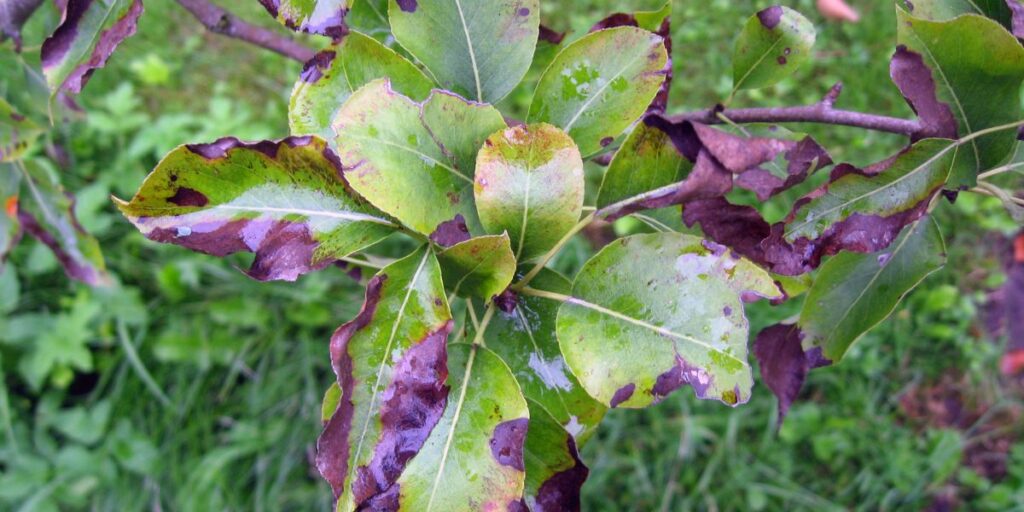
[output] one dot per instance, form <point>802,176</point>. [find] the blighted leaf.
<point>914,79</point>
<point>414,161</point>
<point>391,367</point>
<point>10,228</point>
<point>90,30</point>
<point>479,49</point>
<point>529,183</point>
<point>321,17</point>
<point>1016,18</point>
<point>783,362</point>
<point>600,84</point>
<point>647,160</point>
<point>658,22</point>
<point>13,16</point>
<point>978,68</point>
<point>854,292</point>
<point>335,73</point>
<point>17,133</point>
<point>554,471</point>
<point>473,459</point>
<point>866,211</point>
<point>650,313</point>
<point>480,267</point>
<point>285,201</point>
<point>47,213</point>
<point>773,43</point>
<point>524,337</point>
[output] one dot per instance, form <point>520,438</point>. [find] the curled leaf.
<point>321,17</point>
<point>914,79</point>
<point>89,32</point>
<point>285,201</point>
<point>784,363</point>
<point>554,471</point>
<point>14,14</point>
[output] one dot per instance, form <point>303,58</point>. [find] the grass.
<point>221,406</point>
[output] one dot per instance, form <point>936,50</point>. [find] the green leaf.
<point>480,267</point>
<point>47,212</point>
<point>390,365</point>
<point>529,183</point>
<point>554,471</point>
<point>650,313</point>
<point>284,201</point>
<point>338,71</point>
<point>479,49</point>
<point>321,17</point>
<point>88,33</point>
<point>17,133</point>
<point>414,161</point>
<point>854,292</point>
<point>943,10</point>
<point>329,405</point>
<point>647,160</point>
<point>600,84</point>
<point>371,18</point>
<point>978,68</point>
<point>525,339</point>
<point>473,459</point>
<point>904,188</point>
<point>773,43</point>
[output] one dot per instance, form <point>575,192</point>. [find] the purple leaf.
<point>784,364</point>
<point>13,15</point>
<point>802,160</point>
<point>914,79</point>
<point>1017,18</point>
<point>89,32</point>
<point>451,232</point>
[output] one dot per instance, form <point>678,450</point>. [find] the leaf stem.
<point>544,294</point>
<point>1000,170</point>
<point>478,340</point>
<point>553,252</point>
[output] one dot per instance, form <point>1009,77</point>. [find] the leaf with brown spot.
<point>285,201</point>
<point>784,364</point>
<point>772,45</point>
<point>554,472</point>
<point>320,17</point>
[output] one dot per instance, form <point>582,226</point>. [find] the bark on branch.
<point>220,21</point>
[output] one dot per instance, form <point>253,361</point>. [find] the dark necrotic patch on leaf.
<point>332,449</point>
<point>619,19</point>
<point>320,17</point>
<point>185,196</point>
<point>507,301</point>
<point>622,394</point>
<point>680,374</point>
<point>407,5</point>
<point>784,364</point>
<point>770,17</point>
<point>220,147</point>
<point>314,69</point>
<point>58,45</point>
<point>518,506</point>
<point>915,81</point>
<point>451,232</point>
<point>507,442</point>
<point>411,406</point>
<point>561,492</point>
<point>802,160</point>
<point>549,35</point>
<point>13,16</point>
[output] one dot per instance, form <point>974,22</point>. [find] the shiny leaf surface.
<point>650,313</point>
<point>480,267</point>
<point>599,85</point>
<point>772,45</point>
<point>284,201</point>
<point>529,183</point>
<point>479,49</point>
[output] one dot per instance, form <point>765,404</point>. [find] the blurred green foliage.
<point>187,386</point>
